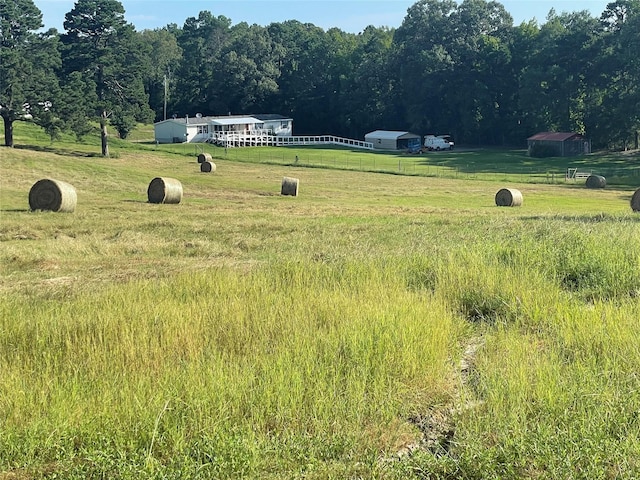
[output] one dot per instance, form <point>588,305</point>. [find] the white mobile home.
<point>181,130</point>
<point>205,129</point>
<point>393,140</point>
<point>277,124</point>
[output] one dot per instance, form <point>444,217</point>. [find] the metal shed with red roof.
<point>559,144</point>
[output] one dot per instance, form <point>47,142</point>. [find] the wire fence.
<point>418,165</point>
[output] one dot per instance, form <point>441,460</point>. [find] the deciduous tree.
<point>159,68</point>
<point>28,60</point>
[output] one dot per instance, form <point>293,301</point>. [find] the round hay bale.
<point>508,197</point>
<point>635,201</point>
<point>204,157</point>
<point>289,186</point>
<point>208,167</point>
<point>164,190</point>
<point>54,195</point>
<point>596,181</point>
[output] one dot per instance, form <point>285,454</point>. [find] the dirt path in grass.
<point>438,425</point>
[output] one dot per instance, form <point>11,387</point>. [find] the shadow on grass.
<point>587,218</point>
<point>619,168</point>
<point>59,151</point>
<point>494,160</point>
<point>505,160</point>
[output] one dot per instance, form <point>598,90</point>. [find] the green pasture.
<point>498,164</point>
<point>381,324</point>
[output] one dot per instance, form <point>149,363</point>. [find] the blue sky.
<point>348,15</point>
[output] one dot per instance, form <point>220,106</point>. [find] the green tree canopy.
<point>108,54</point>
<point>28,62</point>
<point>159,68</point>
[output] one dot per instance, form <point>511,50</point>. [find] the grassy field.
<point>498,164</point>
<point>379,325</point>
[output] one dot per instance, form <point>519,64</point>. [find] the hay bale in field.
<point>596,181</point>
<point>208,167</point>
<point>635,201</point>
<point>54,195</point>
<point>164,190</point>
<point>289,186</point>
<point>204,157</point>
<point>508,197</point>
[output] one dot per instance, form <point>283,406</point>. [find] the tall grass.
<point>242,334</point>
<point>561,403</point>
<point>553,392</point>
<point>297,368</point>
<point>333,358</point>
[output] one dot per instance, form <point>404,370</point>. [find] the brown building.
<point>558,144</point>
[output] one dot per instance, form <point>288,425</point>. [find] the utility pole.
<point>165,97</point>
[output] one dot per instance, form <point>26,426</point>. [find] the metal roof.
<point>555,136</point>
<point>270,116</point>
<point>223,119</point>
<point>390,134</point>
<point>233,120</point>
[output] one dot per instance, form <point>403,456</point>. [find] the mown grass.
<point>242,334</point>
<point>495,164</point>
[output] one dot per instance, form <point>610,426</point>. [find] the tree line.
<point>461,68</point>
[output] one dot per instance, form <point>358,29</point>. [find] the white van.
<point>431,142</point>
<point>448,139</point>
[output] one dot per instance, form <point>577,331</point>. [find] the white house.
<point>392,140</point>
<point>277,124</point>
<point>207,129</point>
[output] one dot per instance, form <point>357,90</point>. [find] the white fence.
<point>575,174</point>
<point>254,139</point>
<point>322,140</point>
